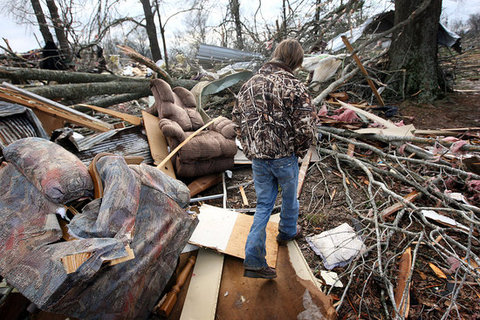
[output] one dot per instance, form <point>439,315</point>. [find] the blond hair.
<point>289,52</point>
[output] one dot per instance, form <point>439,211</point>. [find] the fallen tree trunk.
<point>82,90</point>
<point>14,73</point>
<point>114,99</point>
<point>77,91</point>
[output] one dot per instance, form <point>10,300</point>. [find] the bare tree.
<point>414,47</point>
<point>151,30</point>
<point>235,12</point>
<point>42,21</point>
<point>59,29</point>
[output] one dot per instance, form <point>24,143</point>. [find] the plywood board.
<point>157,142</point>
<point>282,298</point>
<point>202,295</point>
<point>236,244</point>
<point>226,231</point>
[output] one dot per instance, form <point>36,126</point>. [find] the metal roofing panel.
<point>126,142</point>
<point>215,53</point>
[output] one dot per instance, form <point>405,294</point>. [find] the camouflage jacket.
<point>273,114</point>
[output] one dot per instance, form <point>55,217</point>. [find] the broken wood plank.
<point>72,262</point>
<point>363,70</point>
<point>404,266</point>
<point>136,121</point>
<point>203,183</point>
<point>158,143</point>
<point>244,196</point>
<point>55,109</point>
<point>303,171</point>
<point>202,295</point>
<point>399,205</point>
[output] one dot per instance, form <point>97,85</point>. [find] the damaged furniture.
<point>141,208</point>
<point>211,151</point>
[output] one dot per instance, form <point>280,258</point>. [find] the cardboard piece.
<point>226,231</point>
<point>157,142</point>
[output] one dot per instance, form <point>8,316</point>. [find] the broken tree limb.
<point>364,71</point>
<point>15,73</point>
<point>145,61</point>
<point>391,139</point>
<point>114,99</point>
<point>171,154</point>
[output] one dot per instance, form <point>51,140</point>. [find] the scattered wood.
<point>203,183</point>
<point>303,171</point>
<point>13,94</point>
<point>402,291</point>
<point>244,196</point>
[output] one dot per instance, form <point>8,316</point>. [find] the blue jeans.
<point>268,174</point>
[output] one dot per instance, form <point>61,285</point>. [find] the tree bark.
<point>17,74</point>
<point>414,49</point>
<point>80,91</point>
<point>235,12</point>
<point>59,29</point>
<point>42,22</point>
<point>151,30</point>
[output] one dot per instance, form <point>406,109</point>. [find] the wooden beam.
<point>399,205</point>
<point>303,171</point>
<point>363,70</point>
<point>59,113</point>
<point>203,183</point>
<point>120,115</point>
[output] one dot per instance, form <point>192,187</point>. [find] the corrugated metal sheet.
<point>8,109</point>
<point>208,53</point>
<point>126,142</point>
<point>17,122</point>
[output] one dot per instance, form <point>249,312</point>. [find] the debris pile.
<point>103,261</point>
